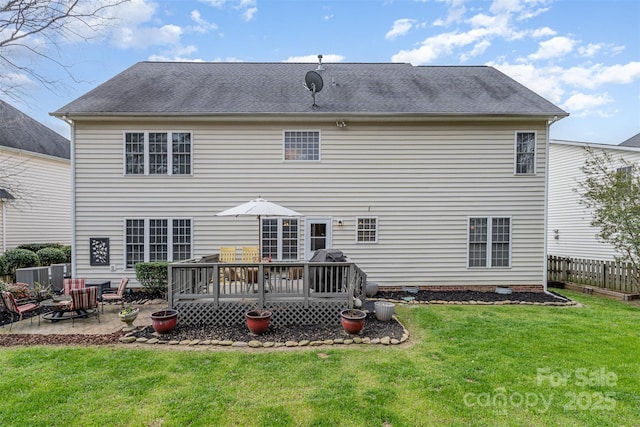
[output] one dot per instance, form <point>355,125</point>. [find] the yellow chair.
<point>227,254</point>
<point>250,254</point>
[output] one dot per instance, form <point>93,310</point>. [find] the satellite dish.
<point>313,82</point>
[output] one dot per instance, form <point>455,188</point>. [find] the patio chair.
<point>111,295</point>
<point>69,284</point>
<point>250,254</point>
<point>85,300</point>
<point>227,254</point>
<point>18,309</point>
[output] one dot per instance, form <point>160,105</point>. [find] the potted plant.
<point>164,321</point>
<point>258,320</point>
<point>352,320</point>
<point>128,315</point>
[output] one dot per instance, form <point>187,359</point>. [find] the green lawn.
<point>467,365</point>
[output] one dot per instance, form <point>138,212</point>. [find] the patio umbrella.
<point>259,207</point>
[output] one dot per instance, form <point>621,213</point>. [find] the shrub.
<point>20,258</point>
<point>48,256</point>
<point>35,247</point>
<point>153,276</point>
<point>67,253</point>
<point>3,266</point>
<point>19,290</point>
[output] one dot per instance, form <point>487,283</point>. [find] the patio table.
<point>60,307</point>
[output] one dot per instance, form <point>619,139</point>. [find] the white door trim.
<point>328,221</point>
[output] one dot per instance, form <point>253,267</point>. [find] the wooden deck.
<point>296,292</point>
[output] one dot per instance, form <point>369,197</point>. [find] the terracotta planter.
<point>352,320</point>
<point>258,321</point>
<point>164,321</point>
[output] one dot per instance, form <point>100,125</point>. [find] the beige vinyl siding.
<point>41,212</point>
<point>422,182</point>
<point>577,238</point>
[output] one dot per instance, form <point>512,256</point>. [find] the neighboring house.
<point>570,233</point>
<point>421,175</point>
<point>35,182</point>
<point>634,141</point>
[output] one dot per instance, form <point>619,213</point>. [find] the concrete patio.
<point>109,322</point>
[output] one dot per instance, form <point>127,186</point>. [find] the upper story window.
<point>302,145</point>
<point>525,153</point>
<point>158,153</point>
<point>366,230</point>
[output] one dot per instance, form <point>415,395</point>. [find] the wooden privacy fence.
<point>612,275</point>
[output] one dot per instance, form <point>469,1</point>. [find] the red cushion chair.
<point>110,296</point>
<point>83,301</point>
<point>20,310</point>
<point>69,284</point>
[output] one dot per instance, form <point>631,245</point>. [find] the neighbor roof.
<point>634,141</point>
<point>19,131</point>
<point>197,88</point>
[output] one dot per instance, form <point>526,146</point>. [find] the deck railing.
<point>297,292</point>
<point>612,275</point>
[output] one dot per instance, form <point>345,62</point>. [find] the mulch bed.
<point>373,327</point>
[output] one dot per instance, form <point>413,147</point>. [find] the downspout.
<point>73,195</point>
<point>546,204</point>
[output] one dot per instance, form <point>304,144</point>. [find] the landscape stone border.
<point>471,302</point>
<point>130,338</point>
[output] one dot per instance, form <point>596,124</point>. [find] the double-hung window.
<point>302,145</point>
<point>525,153</point>
<point>158,153</point>
<point>280,238</point>
<point>366,230</point>
<point>157,239</point>
<point>489,242</point>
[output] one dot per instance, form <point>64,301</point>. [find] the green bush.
<point>48,256</point>
<point>67,253</point>
<point>35,247</point>
<point>153,276</point>
<point>3,266</point>
<point>20,258</point>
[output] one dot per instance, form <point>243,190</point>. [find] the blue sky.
<point>584,56</point>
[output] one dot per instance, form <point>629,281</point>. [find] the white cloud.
<point>162,58</point>
<point>478,49</point>
<point>145,37</point>
<point>215,3</point>
<point>249,14</point>
<point>455,15</point>
<point>203,26</point>
<point>314,58</point>
<point>543,32</point>
<point>247,8</point>
<point>553,48</point>
<point>581,102</point>
<point>400,27</point>
<point>544,80</point>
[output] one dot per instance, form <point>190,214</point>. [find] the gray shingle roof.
<point>19,131</point>
<point>196,88</point>
<point>634,141</point>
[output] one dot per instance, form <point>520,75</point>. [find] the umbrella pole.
<point>259,238</point>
